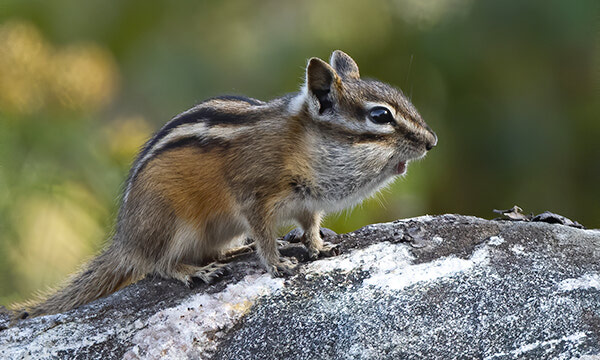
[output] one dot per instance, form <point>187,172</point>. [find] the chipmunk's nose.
<point>432,141</point>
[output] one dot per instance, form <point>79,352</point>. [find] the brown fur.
<point>171,174</point>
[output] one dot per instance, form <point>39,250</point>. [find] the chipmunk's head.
<point>373,116</point>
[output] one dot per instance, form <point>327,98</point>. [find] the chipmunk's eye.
<point>381,115</point>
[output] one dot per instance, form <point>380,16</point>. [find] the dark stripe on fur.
<point>350,136</point>
<point>204,144</point>
<point>208,115</point>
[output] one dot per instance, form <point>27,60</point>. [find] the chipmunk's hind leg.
<point>207,273</point>
<point>232,253</point>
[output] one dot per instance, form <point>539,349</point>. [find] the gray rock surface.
<point>438,287</point>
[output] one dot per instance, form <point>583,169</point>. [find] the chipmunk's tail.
<point>101,276</point>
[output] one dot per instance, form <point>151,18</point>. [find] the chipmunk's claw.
<point>330,249</point>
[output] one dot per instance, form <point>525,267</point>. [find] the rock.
<point>438,287</point>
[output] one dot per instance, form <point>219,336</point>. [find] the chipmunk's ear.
<point>344,65</point>
<point>320,78</point>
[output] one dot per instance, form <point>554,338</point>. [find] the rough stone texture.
<point>439,287</point>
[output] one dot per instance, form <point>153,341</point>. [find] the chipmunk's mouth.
<point>401,168</point>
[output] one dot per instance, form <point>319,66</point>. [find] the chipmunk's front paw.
<point>285,267</point>
<point>330,249</point>
<point>327,250</point>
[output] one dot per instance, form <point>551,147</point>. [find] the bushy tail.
<point>101,276</point>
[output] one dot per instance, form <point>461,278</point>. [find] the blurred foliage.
<point>511,87</point>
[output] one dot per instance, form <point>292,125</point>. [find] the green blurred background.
<point>511,87</point>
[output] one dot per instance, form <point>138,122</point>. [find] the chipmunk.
<point>235,166</point>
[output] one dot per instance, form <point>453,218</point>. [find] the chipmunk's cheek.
<point>401,168</point>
